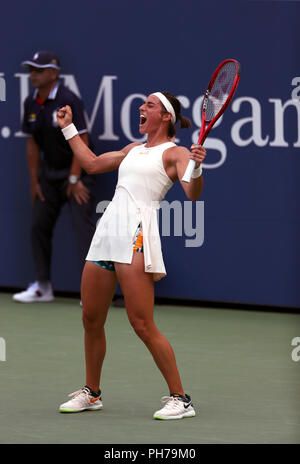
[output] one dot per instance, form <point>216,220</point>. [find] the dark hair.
<point>185,123</point>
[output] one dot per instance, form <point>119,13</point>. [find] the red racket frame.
<point>205,130</point>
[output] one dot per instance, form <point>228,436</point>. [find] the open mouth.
<point>143,119</point>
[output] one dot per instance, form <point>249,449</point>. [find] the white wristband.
<point>69,131</point>
<point>197,172</point>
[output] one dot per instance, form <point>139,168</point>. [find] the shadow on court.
<point>236,364</point>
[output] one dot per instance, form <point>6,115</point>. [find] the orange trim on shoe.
<point>93,400</point>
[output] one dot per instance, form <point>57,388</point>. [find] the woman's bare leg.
<point>97,289</point>
<point>138,290</point>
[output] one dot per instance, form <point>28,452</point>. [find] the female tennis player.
<point>126,246</point>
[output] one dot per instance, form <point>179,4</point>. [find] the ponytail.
<point>185,123</point>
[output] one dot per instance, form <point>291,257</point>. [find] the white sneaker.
<point>82,400</point>
<point>35,293</point>
<point>176,407</point>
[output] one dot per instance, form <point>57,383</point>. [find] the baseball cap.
<point>43,59</point>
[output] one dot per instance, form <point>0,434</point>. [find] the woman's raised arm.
<point>91,163</point>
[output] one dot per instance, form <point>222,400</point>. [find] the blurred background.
<point>113,54</point>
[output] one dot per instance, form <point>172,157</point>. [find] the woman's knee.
<point>144,329</point>
<point>92,321</point>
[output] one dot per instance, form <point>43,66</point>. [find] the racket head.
<point>219,94</point>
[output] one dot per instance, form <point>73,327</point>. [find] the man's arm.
<point>33,161</point>
<point>75,167</point>
<point>80,192</point>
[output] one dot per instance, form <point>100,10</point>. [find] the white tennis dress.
<point>142,185</point>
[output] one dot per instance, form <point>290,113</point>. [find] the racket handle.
<point>188,172</point>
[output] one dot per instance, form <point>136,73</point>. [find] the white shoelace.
<point>171,402</point>
<point>80,396</point>
<point>76,393</point>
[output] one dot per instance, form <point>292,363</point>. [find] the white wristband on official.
<point>69,131</point>
<point>197,172</point>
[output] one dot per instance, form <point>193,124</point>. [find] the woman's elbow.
<point>193,197</point>
<point>89,170</point>
<point>90,167</point>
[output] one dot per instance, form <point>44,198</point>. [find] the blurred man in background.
<point>55,175</point>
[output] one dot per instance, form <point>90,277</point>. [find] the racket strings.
<point>220,90</point>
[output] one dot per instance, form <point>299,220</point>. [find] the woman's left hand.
<point>198,154</point>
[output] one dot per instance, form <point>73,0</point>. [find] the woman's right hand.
<point>64,116</point>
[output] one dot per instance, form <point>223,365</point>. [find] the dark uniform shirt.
<point>40,121</point>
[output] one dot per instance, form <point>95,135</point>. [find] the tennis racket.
<point>217,97</point>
